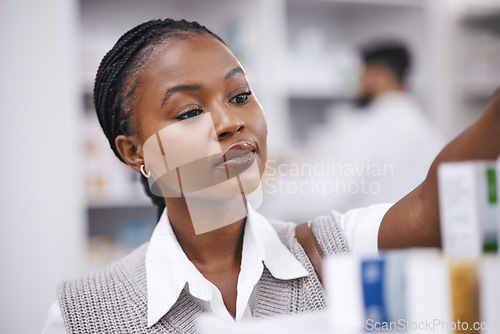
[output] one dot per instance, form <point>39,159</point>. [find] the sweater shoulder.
<point>119,286</point>
<point>326,229</point>
<point>131,266</point>
<point>329,234</point>
<point>284,230</point>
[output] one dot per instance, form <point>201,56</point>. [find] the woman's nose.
<point>227,123</point>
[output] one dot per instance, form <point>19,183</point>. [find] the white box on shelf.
<point>345,298</point>
<point>468,207</point>
<point>488,205</point>
<point>489,293</point>
<point>428,298</point>
<point>498,205</point>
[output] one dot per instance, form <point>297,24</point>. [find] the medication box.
<point>469,211</point>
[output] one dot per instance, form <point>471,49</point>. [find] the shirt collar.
<point>168,269</point>
<point>276,256</point>
<point>165,274</point>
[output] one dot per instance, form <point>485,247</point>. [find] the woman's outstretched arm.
<point>414,220</point>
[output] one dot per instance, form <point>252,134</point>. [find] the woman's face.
<point>194,103</point>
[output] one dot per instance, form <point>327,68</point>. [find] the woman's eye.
<point>190,113</point>
<point>241,98</point>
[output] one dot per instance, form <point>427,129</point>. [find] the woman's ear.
<point>130,150</point>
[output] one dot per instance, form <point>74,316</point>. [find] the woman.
<point>176,106</point>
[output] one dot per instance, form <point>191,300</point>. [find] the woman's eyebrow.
<point>177,89</point>
<point>233,72</point>
<point>191,88</point>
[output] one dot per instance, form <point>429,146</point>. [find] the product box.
<point>428,294</point>
<point>464,295</point>
<point>343,283</point>
<point>373,293</point>
<point>468,204</point>
<point>498,205</point>
<point>489,293</point>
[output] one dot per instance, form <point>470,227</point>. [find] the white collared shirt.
<point>168,270</point>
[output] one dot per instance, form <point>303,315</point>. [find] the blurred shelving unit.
<point>478,63</point>
<point>464,52</point>
<point>300,57</point>
<point>323,42</point>
<point>120,216</point>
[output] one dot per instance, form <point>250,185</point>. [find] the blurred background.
<point>69,206</point>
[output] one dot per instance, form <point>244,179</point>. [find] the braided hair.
<point>117,77</point>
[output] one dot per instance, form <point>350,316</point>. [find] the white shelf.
<point>479,34</point>
<point>319,93</point>
<point>479,9</point>
<point>481,90</point>
<point>139,201</point>
<point>262,34</point>
<point>395,3</point>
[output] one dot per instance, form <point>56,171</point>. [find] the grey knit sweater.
<point>115,300</point>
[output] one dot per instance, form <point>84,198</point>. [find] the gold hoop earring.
<point>146,175</point>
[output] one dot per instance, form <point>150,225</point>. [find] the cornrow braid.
<point>116,78</point>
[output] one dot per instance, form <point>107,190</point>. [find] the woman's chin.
<point>232,190</point>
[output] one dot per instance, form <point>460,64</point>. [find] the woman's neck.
<point>219,246</point>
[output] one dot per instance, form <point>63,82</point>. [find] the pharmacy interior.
<point>306,61</point>
<point>311,48</point>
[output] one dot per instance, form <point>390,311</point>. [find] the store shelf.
<point>140,201</point>
<point>393,3</point>
<point>318,93</point>
<point>489,21</point>
<point>265,35</point>
<point>119,213</point>
<point>270,37</point>
<point>485,13</point>
<point>323,60</point>
<point>478,51</point>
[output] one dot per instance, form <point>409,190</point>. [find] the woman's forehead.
<point>190,56</point>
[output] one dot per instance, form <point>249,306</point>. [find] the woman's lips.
<point>237,157</point>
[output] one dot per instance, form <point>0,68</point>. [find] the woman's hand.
<point>414,220</point>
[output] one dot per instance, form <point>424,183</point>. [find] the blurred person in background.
<point>375,152</point>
